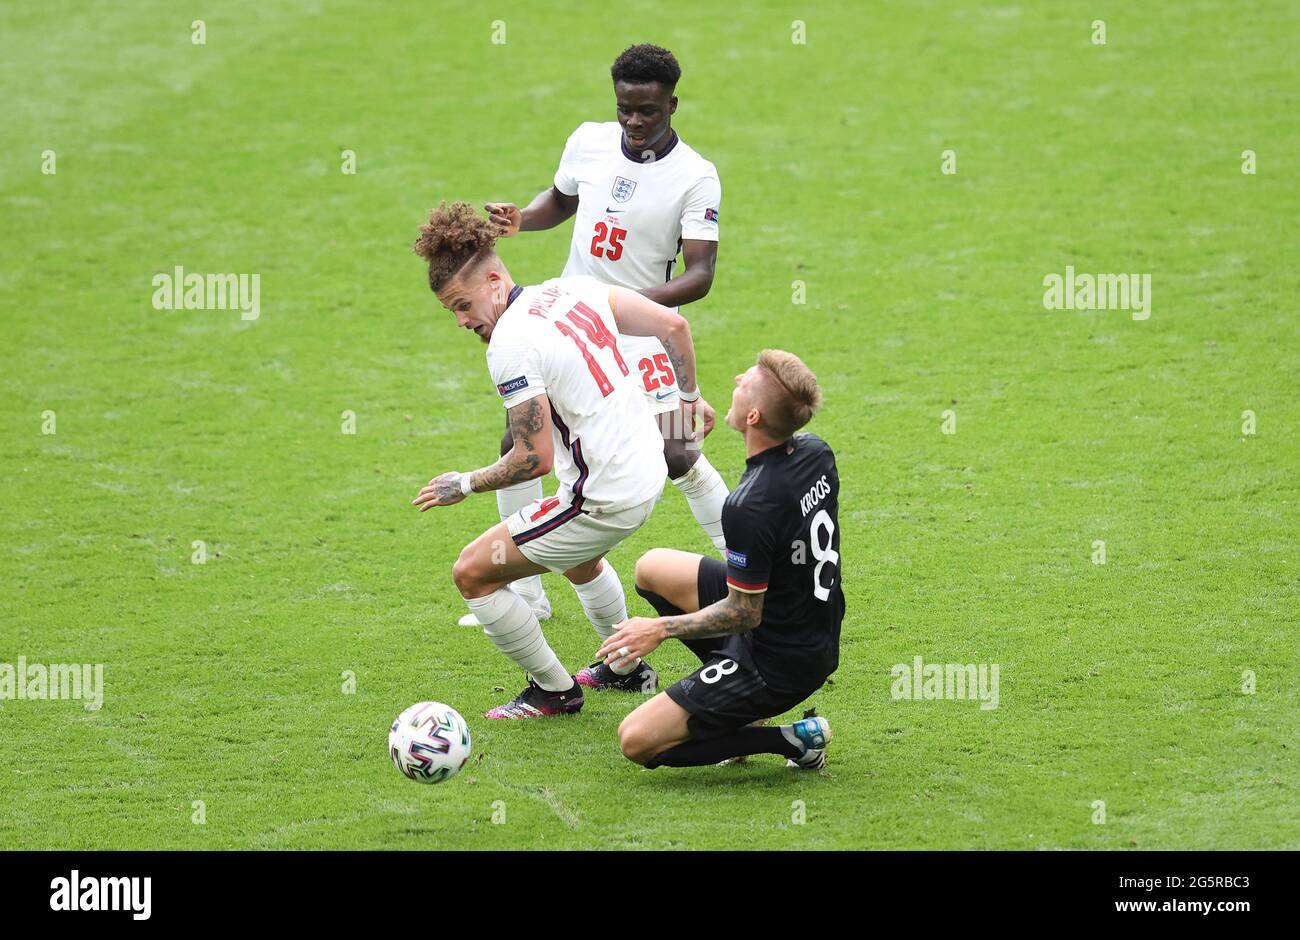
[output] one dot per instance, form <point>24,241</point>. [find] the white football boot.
<point>814,734</point>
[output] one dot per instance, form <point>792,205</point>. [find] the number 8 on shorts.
<point>723,667</point>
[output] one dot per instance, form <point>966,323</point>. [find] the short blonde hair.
<point>794,394</point>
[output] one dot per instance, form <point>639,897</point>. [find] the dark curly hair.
<point>454,235</point>
<point>638,65</point>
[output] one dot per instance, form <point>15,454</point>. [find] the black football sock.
<point>660,604</point>
<point>739,743</point>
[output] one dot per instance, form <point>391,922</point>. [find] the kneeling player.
<point>553,352</point>
<point>766,625</point>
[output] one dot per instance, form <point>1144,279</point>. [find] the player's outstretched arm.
<point>638,315</point>
<point>738,612</point>
<point>548,209</point>
<point>529,458</point>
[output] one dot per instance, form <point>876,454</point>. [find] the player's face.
<point>744,408</point>
<point>645,112</point>
<point>473,301</point>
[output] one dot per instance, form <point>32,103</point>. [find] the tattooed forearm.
<point>522,462</point>
<point>673,345</point>
<point>511,469</point>
<point>735,613</point>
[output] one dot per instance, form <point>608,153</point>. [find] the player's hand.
<point>442,491</point>
<point>507,216</point>
<point>704,411</point>
<point>637,636</point>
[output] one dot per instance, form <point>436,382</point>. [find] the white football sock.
<point>605,605</point>
<point>511,499</point>
<point>511,625</point>
<point>705,493</point>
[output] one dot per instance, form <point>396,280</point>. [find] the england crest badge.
<point>623,189</point>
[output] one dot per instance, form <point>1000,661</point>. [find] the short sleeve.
<point>749,547</point>
<point>700,210</point>
<point>566,176</point>
<point>516,369</point>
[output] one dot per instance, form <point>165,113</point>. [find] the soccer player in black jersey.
<point>766,625</point>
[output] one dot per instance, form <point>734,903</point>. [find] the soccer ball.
<point>429,742</point>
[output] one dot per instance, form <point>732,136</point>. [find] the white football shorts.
<point>558,536</point>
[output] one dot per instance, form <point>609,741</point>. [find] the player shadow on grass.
<point>762,769</point>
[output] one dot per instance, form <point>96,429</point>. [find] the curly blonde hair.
<point>795,396</point>
<point>454,236</point>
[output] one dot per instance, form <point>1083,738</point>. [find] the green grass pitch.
<point>1127,682</point>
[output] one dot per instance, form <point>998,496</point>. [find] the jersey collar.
<point>514,295</point>
<point>771,452</point>
<point>636,157</point>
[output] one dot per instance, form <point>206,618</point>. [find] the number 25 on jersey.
<point>608,241</point>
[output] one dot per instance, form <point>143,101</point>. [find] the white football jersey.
<point>631,219</point>
<point>560,338</point>
<point>633,214</point>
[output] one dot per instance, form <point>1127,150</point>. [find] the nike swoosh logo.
<point>662,395</point>
<point>612,211</point>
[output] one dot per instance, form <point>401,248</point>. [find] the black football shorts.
<point>727,692</point>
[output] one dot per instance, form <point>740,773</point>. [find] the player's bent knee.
<point>637,737</point>
<point>636,745</point>
<point>651,566</point>
<point>468,578</point>
<point>585,572</point>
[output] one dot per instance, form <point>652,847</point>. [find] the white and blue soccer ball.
<point>429,742</point>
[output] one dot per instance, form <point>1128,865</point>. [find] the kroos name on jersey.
<point>814,495</point>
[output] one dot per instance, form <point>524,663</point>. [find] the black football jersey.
<point>782,528</point>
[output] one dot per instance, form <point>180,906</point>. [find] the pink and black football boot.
<point>536,702</point>
<point>642,679</point>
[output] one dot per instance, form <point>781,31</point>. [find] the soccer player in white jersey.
<point>638,195</point>
<point>554,352</point>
